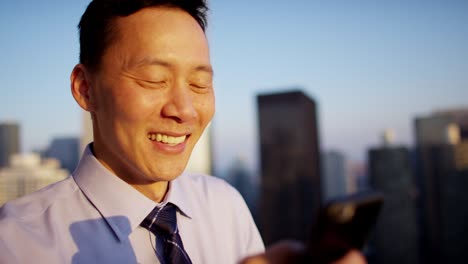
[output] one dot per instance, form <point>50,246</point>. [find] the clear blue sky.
<point>369,64</point>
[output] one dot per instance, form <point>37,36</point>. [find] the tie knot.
<point>162,220</point>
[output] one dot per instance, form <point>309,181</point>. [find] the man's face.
<point>152,95</point>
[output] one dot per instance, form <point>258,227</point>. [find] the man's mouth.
<point>166,139</point>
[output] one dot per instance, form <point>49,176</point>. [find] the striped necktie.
<point>162,222</point>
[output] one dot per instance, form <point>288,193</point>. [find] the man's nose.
<point>180,104</point>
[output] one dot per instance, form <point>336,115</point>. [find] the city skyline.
<point>370,66</point>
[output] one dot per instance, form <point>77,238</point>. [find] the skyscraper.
<point>66,150</point>
<point>290,165</point>
<point>442,127</point>
<point>442,159</point>
<point>240,177</point>
<point>396,237</point>
<point>9,141</point>
<point>334,174</point>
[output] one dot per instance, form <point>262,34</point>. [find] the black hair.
<point>96,25</point>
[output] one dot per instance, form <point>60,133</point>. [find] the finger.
<point>258,259</point>
<point>352,257</point>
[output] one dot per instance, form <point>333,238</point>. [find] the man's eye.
<point>201,87</point>
<point>147,83</point>
<point>202,84</point>
<point>201,81</point>
<point>155,81</point>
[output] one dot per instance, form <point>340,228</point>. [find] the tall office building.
<point>241,178</point>
<point>27,173</point>
<point>334,174</point>
<point>66,150</point>
<point>442,127</point>
<point>357,180</point>
<point>396,235</point>
<point>290,165</point>
<point>442,163</point>
<point>9,141</point>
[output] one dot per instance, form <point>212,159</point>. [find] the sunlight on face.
<point>153,95</point>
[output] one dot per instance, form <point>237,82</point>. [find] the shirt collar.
<point>112,196</point>
<point>178,195</point>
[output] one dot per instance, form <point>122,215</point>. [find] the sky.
<point>370,65</point>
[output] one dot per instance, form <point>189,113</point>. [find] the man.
<point>145,77</point>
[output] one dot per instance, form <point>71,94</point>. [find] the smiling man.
<point>150,97</point>
<point>145,77</point>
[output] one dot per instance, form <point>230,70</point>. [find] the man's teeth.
<point>166,139</point>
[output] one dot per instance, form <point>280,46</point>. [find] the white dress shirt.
<point>94,217</point>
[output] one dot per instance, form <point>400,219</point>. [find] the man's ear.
<point>81,88</point>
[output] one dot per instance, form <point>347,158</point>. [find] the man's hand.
<point>292,252</point>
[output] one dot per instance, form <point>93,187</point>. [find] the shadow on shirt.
<point>98,243</point>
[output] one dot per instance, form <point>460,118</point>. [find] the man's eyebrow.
<point>149,61</point>
<point>155,61</point>
<point>205,68</point>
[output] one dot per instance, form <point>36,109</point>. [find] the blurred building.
<point>396,238</point>
<point>290,165</point>
<point>357,180</point>
<point>9,141</point>
<point>27,173</point>
<point>334,174</point>
<point>66,150</point>
<point>241,178</point>
<point>442,127</point>
<point>442,170</point>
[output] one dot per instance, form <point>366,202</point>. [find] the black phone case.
<point>343,224</point>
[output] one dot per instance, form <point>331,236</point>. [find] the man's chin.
<point>166,175</point>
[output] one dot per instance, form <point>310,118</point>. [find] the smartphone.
<point>343,223</point>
